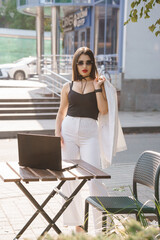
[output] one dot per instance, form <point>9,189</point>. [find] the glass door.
<point>69,43</point>
<point>82,38</point>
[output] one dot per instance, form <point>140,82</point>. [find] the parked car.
<point>3,74</point>
<point>21,69</point>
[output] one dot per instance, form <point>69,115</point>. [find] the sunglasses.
<point>88,63</point>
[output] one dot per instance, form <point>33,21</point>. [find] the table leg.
<point>39,207</point>
<point>65,205</point>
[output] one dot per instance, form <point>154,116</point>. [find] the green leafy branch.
<point>146,6</point>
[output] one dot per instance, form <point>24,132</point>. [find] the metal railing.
<point>63,63</point>
<point>52,73</point>
<point>54,81</point>
<point>107,65</point>
<point>108,61</point>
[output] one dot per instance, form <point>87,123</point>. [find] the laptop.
<point>41,151</point>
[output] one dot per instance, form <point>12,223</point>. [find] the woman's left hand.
<point>97,82</point>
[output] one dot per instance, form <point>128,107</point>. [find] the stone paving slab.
<point>22,93</point>
<point>22,89</point>
<point>27,125</point>
<point>15,211</point>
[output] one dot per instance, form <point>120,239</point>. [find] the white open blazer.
<point>111,136</point>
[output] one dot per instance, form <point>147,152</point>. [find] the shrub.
<point>130,230</point>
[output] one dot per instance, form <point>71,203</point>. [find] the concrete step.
<point>28,104</point>
<point>28,110</point>
<point>25,116</point>
<point>43,99</point>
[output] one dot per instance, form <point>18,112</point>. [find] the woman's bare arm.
<point>62,110</point>
<point>101,96</point>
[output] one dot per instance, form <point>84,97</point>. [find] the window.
<point>106,29</point>
<point>88,37</point>
<point>112,30</point>
<point>22,2</point>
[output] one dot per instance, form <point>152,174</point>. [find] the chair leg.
<point>86,216</point>
<point>104,222</point>
<point>158,217</point>
<point>137,217</point>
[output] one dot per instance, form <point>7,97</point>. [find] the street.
<point>136,144</point>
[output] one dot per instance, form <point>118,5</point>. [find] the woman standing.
<point>76,123</point>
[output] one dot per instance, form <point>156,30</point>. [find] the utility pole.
<point>40,36</point>
<point>54,38</point>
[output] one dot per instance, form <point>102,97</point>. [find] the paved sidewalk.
<point>12,89</point>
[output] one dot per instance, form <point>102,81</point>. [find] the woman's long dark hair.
<point>78,53</point>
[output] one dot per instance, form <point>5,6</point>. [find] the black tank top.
<point>82,105</point>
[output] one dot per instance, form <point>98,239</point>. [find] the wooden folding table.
<point>12,172</point>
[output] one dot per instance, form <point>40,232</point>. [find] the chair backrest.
<point>147,171</point>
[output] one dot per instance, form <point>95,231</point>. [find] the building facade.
<point>93,23</point>
<point>95,26</point>
<point>98,24</point>
<point>140,89</point>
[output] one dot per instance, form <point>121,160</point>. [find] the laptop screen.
<point>39,151</point>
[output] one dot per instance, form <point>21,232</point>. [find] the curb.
<point>13,134</point>
<point>141,129</point>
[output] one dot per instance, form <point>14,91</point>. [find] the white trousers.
<point>81,142</point>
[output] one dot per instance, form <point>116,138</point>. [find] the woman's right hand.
<point>62,140</point>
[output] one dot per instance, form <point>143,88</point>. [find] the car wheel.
<point>19,75</point>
